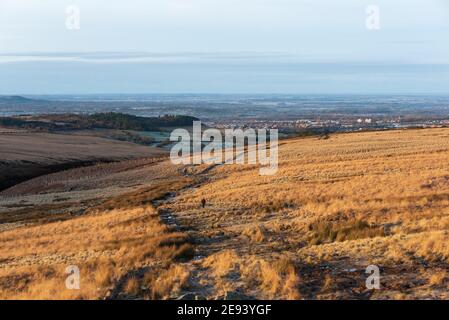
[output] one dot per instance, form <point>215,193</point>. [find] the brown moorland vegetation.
<point>336,206</point>
<point>113,249</point>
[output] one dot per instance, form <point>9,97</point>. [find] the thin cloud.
<point>139,57</point>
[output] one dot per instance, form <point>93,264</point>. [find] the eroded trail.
<point>218,242</point>
<point>198,288</point>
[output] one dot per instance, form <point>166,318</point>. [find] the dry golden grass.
<point>221,263</point>
<point>168,283</point>
<point>276,278</point>
<point>132,286</point>
<point>280,279</point>
<point>335,207</point>
<point>105,245</point>
<point>344,203</point>
<point>256,234</point>
<point>326,232</point>
<point>439,278</point>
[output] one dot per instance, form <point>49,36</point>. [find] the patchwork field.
<point>138,229</point>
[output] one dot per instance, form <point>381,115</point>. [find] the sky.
<point>224,46</point>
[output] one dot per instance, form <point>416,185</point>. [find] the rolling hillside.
<point>335,207</point>
<point>27,155</point>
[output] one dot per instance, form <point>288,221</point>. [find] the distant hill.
<point>14,99</point>
<point>110,120</point>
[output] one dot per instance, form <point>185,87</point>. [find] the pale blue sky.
<point>288,46</point>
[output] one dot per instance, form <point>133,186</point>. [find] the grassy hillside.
<point>335,207</point>
<point>27,155</point>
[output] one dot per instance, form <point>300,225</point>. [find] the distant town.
<point>342,125</point>
<point>287,113</point>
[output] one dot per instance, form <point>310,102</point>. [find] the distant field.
<point>26,155</point>
<point>137,228</point>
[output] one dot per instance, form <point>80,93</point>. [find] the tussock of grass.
<point>275,205</point>
<point>168,283</point>
<point>132,286</point>
<point>439,278</point>
<point>256,234</point>
<point>328,232</point>
<point>222,263</point>
<point>279,278</point>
